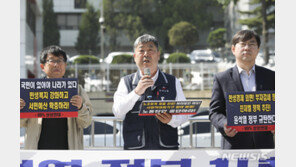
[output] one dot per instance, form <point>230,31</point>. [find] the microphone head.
<point>147,71</point>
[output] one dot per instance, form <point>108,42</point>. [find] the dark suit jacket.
<point>228,81</point>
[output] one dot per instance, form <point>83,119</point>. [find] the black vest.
<point>147,132</point>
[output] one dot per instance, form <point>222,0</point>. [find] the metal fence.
<point>99,77</point>
<point>105,132</point>
<point>113,138</point>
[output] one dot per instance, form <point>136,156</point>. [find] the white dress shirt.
<point>124,101</point>
<point>248,81</point>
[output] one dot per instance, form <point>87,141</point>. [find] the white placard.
<point>181,158</point>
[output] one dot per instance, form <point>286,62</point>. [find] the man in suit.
<point>245,76</point>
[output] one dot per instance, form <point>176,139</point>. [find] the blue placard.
<point>251,111</point>
<point>48,98</point>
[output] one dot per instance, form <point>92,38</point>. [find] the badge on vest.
<point>164,89</point>
<point>149,97</point>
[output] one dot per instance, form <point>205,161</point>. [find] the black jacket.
<point>229,81</point>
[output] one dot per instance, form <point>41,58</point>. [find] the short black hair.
<point>54,50</point>
<point>146,38</point>
<point>245,35</point>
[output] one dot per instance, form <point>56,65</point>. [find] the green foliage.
<point>225,3</point>
<point>119,18</point>
<point>161,57</point>
<point>178,58</point>
<point>51,34</point>
<point>133,27</point>
<point>112,23</point>
<point>216,38</point>
<point>183,34</point>
<point>261,19</point>
<point>155,17</point>
<point>87,59</point>
<point>123,59</point>
<point>88,37</point>
<point>255,16</point>
<point>170,12</point>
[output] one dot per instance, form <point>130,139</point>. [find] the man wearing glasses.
<point>57,133</point>
<point>245,76</point>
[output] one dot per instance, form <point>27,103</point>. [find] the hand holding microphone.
<point>147,72</point>
<point>144,83</point>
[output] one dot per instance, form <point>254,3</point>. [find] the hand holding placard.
<point>164,117</point>
<point>229,131</point>
<point>76,101</point>
<point>22,103</point>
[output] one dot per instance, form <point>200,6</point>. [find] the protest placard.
<point>251,111</point>
<point>149,108</point>
<point>48,98</point>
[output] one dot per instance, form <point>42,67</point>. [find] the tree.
<point>169,12</point>
<point>262,20</point>
<point>225,3</point>
<point>123,59</point>
<point>156,17</point>
<point>178,58</point>
<point>88,37</point>
<point>112,20</point>
<point>183,34</point>
<point>87,59</point>
<point>119,19</point>
<point>216,38</point>
<point>51,34</point>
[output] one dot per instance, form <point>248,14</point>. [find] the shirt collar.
<point>240,70</point>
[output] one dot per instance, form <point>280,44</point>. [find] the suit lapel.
<point>259,78</point>
<point>236,79</point>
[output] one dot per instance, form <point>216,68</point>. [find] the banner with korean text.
<point>48,98</point>
<point>152,107</point>
<point>181,158</point>
<point>251,111</point>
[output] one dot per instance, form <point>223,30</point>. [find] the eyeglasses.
<point>53,62</point>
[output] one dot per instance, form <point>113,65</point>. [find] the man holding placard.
<point>244,77</point>
<point>148,83</point>
<point>57,133</point>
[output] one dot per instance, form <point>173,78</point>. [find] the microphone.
<point>147,71</point>
<point>148,92</point>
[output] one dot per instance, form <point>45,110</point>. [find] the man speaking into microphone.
<point>148,83</point>
<point>148,91</point>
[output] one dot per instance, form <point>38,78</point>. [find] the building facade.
<point>30,37</point>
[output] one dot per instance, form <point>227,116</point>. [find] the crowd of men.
<point>157,132</point>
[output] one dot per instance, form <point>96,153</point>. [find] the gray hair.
<point>146,38</point>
